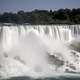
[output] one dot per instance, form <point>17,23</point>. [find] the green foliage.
<point>61,16</point>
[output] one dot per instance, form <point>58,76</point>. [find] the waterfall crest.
<point>57,32</point>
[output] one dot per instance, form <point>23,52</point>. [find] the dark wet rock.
<point>69,71</point>
<point>74,53</point>
<point>66,70</point>
<point>72,66</point>
<point>52,59</point>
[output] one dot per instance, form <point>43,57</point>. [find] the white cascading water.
<point>38,50</point>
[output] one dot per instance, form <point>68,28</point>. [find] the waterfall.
<point>38,49</point>
<point>56,32</point>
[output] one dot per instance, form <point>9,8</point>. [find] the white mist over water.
<point>38,50</point>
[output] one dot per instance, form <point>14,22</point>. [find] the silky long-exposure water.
<point>39,50</point>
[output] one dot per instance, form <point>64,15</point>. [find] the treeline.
<point>61,16</point>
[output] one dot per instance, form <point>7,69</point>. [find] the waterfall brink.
<point>61,32</point>
<point>38,50</point>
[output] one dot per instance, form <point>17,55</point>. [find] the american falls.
<point>39,50</point>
